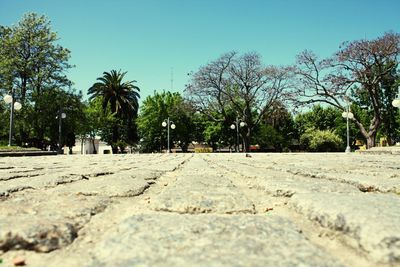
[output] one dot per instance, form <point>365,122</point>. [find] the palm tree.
<point>122,97</point>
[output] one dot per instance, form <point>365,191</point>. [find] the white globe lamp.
<point>17,106</point>
<point>7,99</point>
<point>396,103</point>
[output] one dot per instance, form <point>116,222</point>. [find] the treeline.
<point>236,96</point>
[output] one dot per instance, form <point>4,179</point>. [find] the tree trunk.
<point>114,139</point>
<point>82,139</point>
<point>246,140</point>
<point>369,136</point>
<point>93,144</point>
<point>370,142</point>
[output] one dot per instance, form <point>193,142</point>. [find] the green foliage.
<point>321,140</point>
<point>31,58</point>
<point>319,118</point>
<point>34,64</point>
<point>268,138</point>
<point>276,131</point>
<point>329,118</point>
<point>158,108</point>
<point>214,133</point>
<point>96,121</point>
<point>121,99</point>
<point>390,127</point>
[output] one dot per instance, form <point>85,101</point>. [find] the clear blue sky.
<point>149,37</point>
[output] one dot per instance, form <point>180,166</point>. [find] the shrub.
<point>203,150</point>
<point>321,140</point>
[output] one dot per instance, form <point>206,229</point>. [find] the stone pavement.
<point>201,210</point>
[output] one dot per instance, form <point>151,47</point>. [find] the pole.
<point>237,135</point>
<point>348,149</point>
<point>11,118</point>
<point>168,132</point>
<point>59,130</point>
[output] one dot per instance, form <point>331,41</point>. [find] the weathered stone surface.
<point>200,189</point>
<point>207,240</point>
<point>42,172</point>
<point>44,221</point>
<point>278,183</point>
<point>372,221</point>
<point>116,185</point>
<point>365,172</point>
<point>264,210</point>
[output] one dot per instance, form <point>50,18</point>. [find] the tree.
<point>158,108</point>
<point>362,64</point>
<point>96,122</point>
<point>327,118</point>
<point>122,97</point>
<point>319,118</point>
<point>49,105</point>
<point>276,130</point>
<point>32,62</point>
<point>390,125</point>
<point>240,83</point>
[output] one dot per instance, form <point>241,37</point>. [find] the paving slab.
<point>280,183</point>
<point>366,172</point>
<point>200,189</point>
<point>207,240</point>
<point>44,221</point>
<point>371,221</point>
<point>123,184</point>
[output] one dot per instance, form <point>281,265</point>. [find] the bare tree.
<point>361,64</point>
<point>241,84</point>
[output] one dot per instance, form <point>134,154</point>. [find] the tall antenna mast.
<point>172,79</point>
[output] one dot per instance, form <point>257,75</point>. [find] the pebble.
<point>19,261</point>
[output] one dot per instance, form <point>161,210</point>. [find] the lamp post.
<point>61,115</point>
<point>14,105</point>
<point>236,126</point>
<point>348,115</point>
<point>396,101</point>
<point>168,123</point>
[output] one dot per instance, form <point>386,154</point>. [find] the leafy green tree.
<point>319,118</point>
<point>31,56</point>
<point>96,122</point>
<point>33,63</point>
<point>121,97</point>
<point>44,129</point>
<point>239,83</point>
<point>390,127</point>
<point>158,108</point>
<point>329,118</point>
<point>276,130</point>
<point>360,63</point>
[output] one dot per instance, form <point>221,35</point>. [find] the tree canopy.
<point>122,100</point>
<point>362,64</point>
<point>240,83</point>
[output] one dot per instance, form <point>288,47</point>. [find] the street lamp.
<point>396,101</point>
<point>236,126</point>
<point>61,115</point>
<point>348,115</point>
<point>168,123</point>
<point>14,105</point>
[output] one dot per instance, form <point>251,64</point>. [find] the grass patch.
<point>16,148</point>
